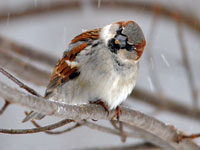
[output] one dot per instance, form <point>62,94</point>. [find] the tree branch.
<point>143,146</point>
<point>19,83</point>
<point>181,137</point>
<point>149,53</point>
<point>166,103</point>
<point>188,68</point>
<point>191,21</point>
<point>36,130</point>
<point>27,52</point>
<point>158,132</point>
<point>188,19</point>
<point>59,125</point>
<point>5,106</point>
<point>23,70</point>
<point>40,9</point>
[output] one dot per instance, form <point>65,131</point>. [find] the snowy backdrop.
<point>163,71</point>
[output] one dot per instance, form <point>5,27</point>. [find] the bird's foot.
<point>182,136</point>
<point>118,112</point>
<point>99,102</point>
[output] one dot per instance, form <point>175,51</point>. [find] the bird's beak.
<point>117,42</point>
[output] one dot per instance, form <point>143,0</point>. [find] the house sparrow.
<point>100,65</point>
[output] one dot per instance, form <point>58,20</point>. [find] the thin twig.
<point>114,124</point>
<point>120,128</point>
<point>187,65</point>
<point>40,9</point>
<point>188,19</point>
<point>36,130</point>
<point>25,51</point>
<point>55,132</point>
<point>168,104</point>
<point>110,130</point>
<point>122,133</point>
<point>19,83</point>
<point>5,106</point>
<point>101,128</point>
<point>77,125</point>
<point>142,146</point>
<point>149,57</point>
<point>181,137</point>
<point>22,69</point>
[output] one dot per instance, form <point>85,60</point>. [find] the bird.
<point>100,66</point>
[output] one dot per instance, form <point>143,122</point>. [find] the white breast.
<point>98,79</point>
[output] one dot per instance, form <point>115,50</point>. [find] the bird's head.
<point>124,39</point>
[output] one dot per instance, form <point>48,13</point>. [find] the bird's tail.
<point>33,115</point>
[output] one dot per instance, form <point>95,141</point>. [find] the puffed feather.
<point>89,71</point>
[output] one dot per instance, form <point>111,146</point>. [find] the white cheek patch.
<point>71,64</point>
<point>108,32</point>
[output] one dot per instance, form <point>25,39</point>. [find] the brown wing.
<point>65,69</point>
<point>88,35</point>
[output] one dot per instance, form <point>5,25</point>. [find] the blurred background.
<point>168,85</point>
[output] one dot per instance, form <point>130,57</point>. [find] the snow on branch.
<point>150,129</point>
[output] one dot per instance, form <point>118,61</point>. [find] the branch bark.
<point>154,130</point>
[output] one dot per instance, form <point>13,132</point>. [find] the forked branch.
<point>151,129</point>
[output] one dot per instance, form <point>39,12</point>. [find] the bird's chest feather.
<point>107,79</point>
<point>101,78</point>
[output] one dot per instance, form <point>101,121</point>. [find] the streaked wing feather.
<point>88,35</point>
<point>63,71</point>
